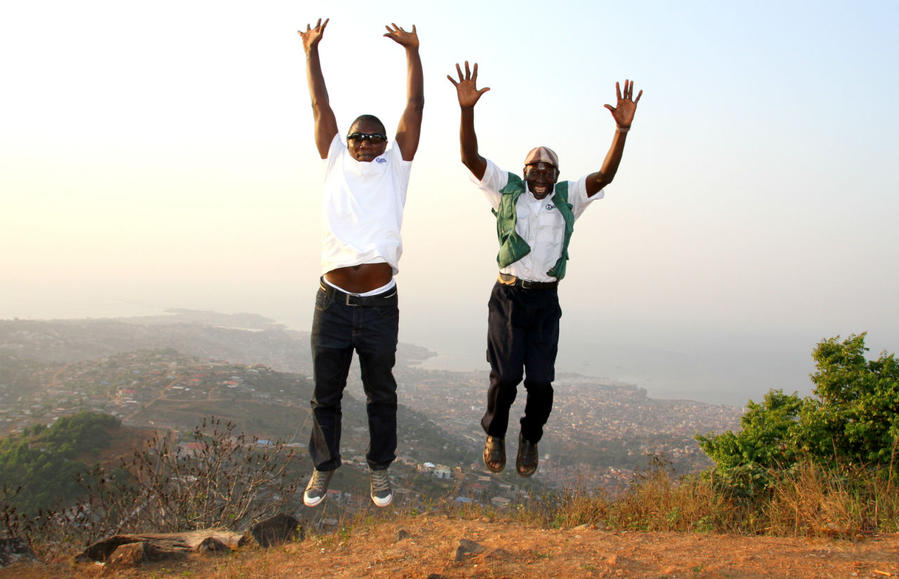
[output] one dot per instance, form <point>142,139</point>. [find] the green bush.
<point>43,465</point>
<point>851,421</point>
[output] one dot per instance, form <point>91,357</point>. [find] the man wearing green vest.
<point>534,222</point>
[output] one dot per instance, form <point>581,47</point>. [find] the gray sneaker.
<point>317,489</point>
<point>381,493</point>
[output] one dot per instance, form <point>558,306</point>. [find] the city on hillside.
<point>170,375</point>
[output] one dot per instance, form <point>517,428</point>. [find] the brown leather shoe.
<point>495,454</point>
<point>528,457</point>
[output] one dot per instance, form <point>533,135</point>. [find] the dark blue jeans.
<point>343,323</point>
<point>522,336</point>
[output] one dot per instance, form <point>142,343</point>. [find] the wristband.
<point>623,129</point>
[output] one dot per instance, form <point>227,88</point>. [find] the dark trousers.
<point>522,337</point>
<point>343,323</point>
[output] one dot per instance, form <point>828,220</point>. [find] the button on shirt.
<point>538,222</point>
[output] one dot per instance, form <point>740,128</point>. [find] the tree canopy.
<point>852,419</point>
<point>40,468</point>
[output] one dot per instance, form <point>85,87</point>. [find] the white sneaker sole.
<point>312,502</point>
<point>382,502</point>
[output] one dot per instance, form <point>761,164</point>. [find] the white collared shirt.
<point>362,208</point>
<point>538,222</point>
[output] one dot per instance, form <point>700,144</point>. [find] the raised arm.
<point>624,116</point>
<point>468,93</point>
<point>408,131</point>
<point>325,123</point>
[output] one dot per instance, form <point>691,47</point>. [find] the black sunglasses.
<point>375,138</point>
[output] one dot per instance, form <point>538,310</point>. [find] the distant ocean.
<point>726,369</point>
<point>693,372</point>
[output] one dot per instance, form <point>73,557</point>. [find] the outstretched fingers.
<point>313,35</point>
<point>629,91</point>
<point>466,84</point>
<point>467,76</point>
<point>401,36</point>
<point>462,77</point>
<point>626,104</point>
<point>319,26</point>
<point>454,81</point>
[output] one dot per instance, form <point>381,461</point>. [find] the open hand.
<point>466,87</point>
<point>627,105</point>
<point>401,37</point>
<point>313,36</point>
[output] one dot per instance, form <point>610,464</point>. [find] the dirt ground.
<point>438,546</point>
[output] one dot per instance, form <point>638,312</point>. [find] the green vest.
<point>512,246</point>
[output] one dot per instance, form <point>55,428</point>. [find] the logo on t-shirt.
<point>550,206</point>
<point>380,160</point>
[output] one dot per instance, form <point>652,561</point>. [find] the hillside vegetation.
<point>815,467</point>
<point>41,467</point>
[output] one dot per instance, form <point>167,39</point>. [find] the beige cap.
<point>544,154</point>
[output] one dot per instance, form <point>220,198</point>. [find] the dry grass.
<point>807,501</point>
<point>812,501</point>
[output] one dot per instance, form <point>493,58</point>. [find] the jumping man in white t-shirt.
<point>356,303</point>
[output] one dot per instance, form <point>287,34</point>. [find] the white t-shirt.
<point>538,222</point>
<point>362,208</point>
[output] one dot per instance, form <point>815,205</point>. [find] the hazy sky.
<point>157,155</point>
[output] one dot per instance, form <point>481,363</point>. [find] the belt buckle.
<point>526,284</point>
<point>348,300</point>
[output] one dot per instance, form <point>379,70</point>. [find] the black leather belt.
<point>351,300</point>
<point>507,279</point>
